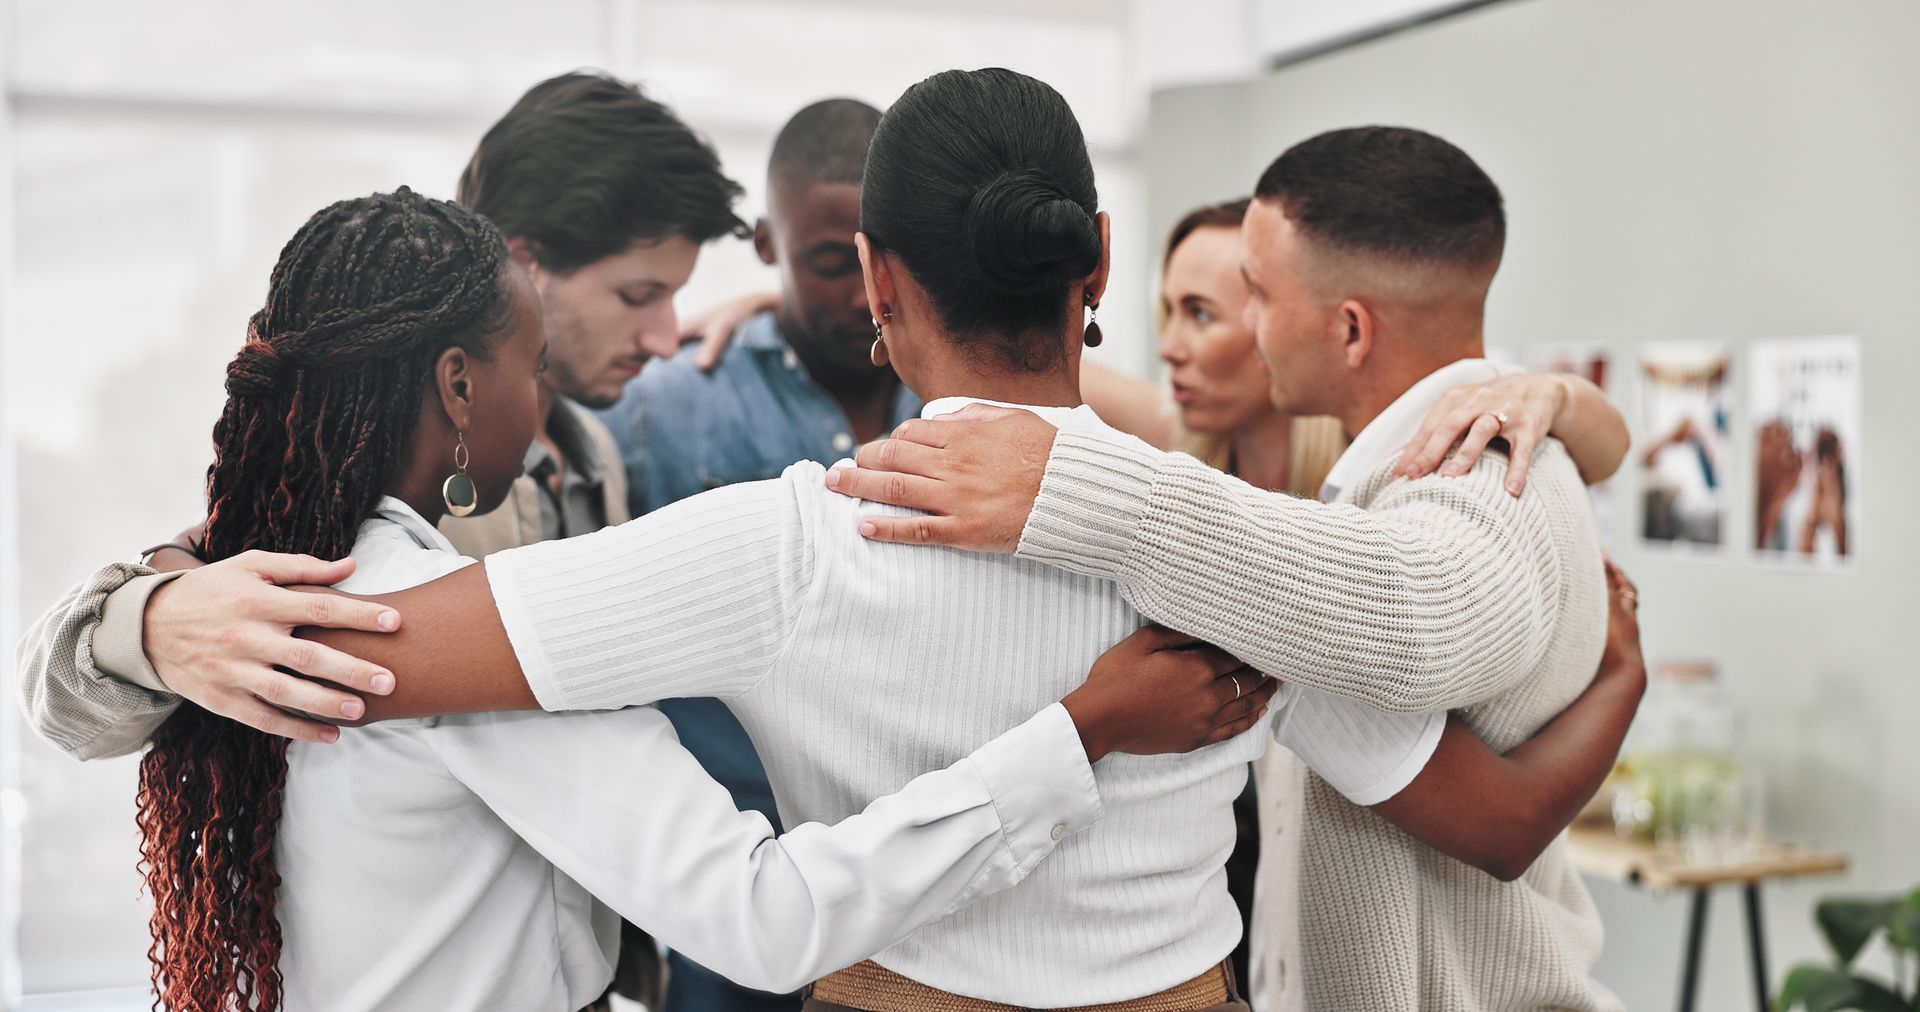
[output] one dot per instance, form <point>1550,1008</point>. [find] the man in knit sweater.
<point>1369,253</point>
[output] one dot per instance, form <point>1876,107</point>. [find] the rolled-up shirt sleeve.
<point>1366,754</point>
<point>615,802</point>
<point>85,684</point>
<point>695,599</point>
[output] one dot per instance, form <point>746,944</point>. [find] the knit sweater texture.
<point>1438,593</point>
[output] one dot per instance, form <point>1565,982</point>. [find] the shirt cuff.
<point>119,647</point>
<point>1092,497</point>
<point>1041,783</point>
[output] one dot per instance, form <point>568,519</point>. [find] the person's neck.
<point>1263,452</point>
<point>1397,367</point>
<point>865,397</point>
<point>419,487</point>
<point>1058,387</point>
<point>867,401</point>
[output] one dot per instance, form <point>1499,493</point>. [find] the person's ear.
<point>1096,283</point>
<point>526,253</point>
<point>763,241</point>
<point>1356,327</point>
<point>882,294</point>
<point>453,380</point>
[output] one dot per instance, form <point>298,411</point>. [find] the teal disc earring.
<point>458,490</point>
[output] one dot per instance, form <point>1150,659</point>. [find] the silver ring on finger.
<point>1500,417</point>
<point>1236,687</point>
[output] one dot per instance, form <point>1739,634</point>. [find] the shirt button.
<point>842,442</point>
<point>791,360</point>
<point>1059,831</point>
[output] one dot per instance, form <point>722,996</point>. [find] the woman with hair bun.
<point>857,666</point>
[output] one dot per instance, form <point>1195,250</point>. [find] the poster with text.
<point>1683,444</point>
<point>1805,411</point>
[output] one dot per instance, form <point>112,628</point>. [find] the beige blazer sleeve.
<point>85,684</point>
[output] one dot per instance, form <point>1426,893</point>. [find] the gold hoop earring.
<point>1094,337</point>
<point>458,490</point>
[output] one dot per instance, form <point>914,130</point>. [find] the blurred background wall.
<point>1673,169</point>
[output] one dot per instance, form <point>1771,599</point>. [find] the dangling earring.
<point>458,490</point>
<point>1094,337</point>
<point>878,353</point>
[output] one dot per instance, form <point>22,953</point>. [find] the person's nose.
<point>1173,345</point>
<point>660,337</point>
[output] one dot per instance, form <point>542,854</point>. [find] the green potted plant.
<point>1849,924</point>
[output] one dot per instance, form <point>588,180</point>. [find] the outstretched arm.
<point>694,599</point>
<point>87,687</point>
<point>681,862</point>
<point>1431,599</point>
<point>70,690</point>
<point>1498,813</point>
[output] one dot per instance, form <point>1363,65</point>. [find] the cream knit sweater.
<point>1442,593</point>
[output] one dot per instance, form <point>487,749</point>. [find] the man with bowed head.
<point>796,383</point>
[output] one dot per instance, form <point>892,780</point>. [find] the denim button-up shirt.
<point>682,432</point>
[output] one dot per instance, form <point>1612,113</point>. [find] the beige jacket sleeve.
<point>1438,595</point>
<point>85,684</point>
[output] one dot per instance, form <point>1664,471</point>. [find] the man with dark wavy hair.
<point>606,198</point>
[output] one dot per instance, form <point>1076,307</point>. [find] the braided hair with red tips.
<point>322,404</point>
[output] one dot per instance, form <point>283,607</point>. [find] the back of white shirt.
<point>446,863</point>
<point>857,665</point>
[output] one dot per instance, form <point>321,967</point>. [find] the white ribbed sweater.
<point>857,665</point>
<point>1433,594</point>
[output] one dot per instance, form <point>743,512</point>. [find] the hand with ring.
<point>1159,691</point>
<point>1520,409</point>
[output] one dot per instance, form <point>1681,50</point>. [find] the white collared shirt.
<point>856,665</point>
<point>455,863</point>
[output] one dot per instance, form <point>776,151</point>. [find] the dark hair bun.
<point>979,181</point>
<point>1028,235</point>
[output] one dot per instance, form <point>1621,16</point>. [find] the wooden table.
<point>1598,852</point>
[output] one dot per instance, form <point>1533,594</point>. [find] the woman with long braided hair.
<point>390,322</point>
<point>476,861</point>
